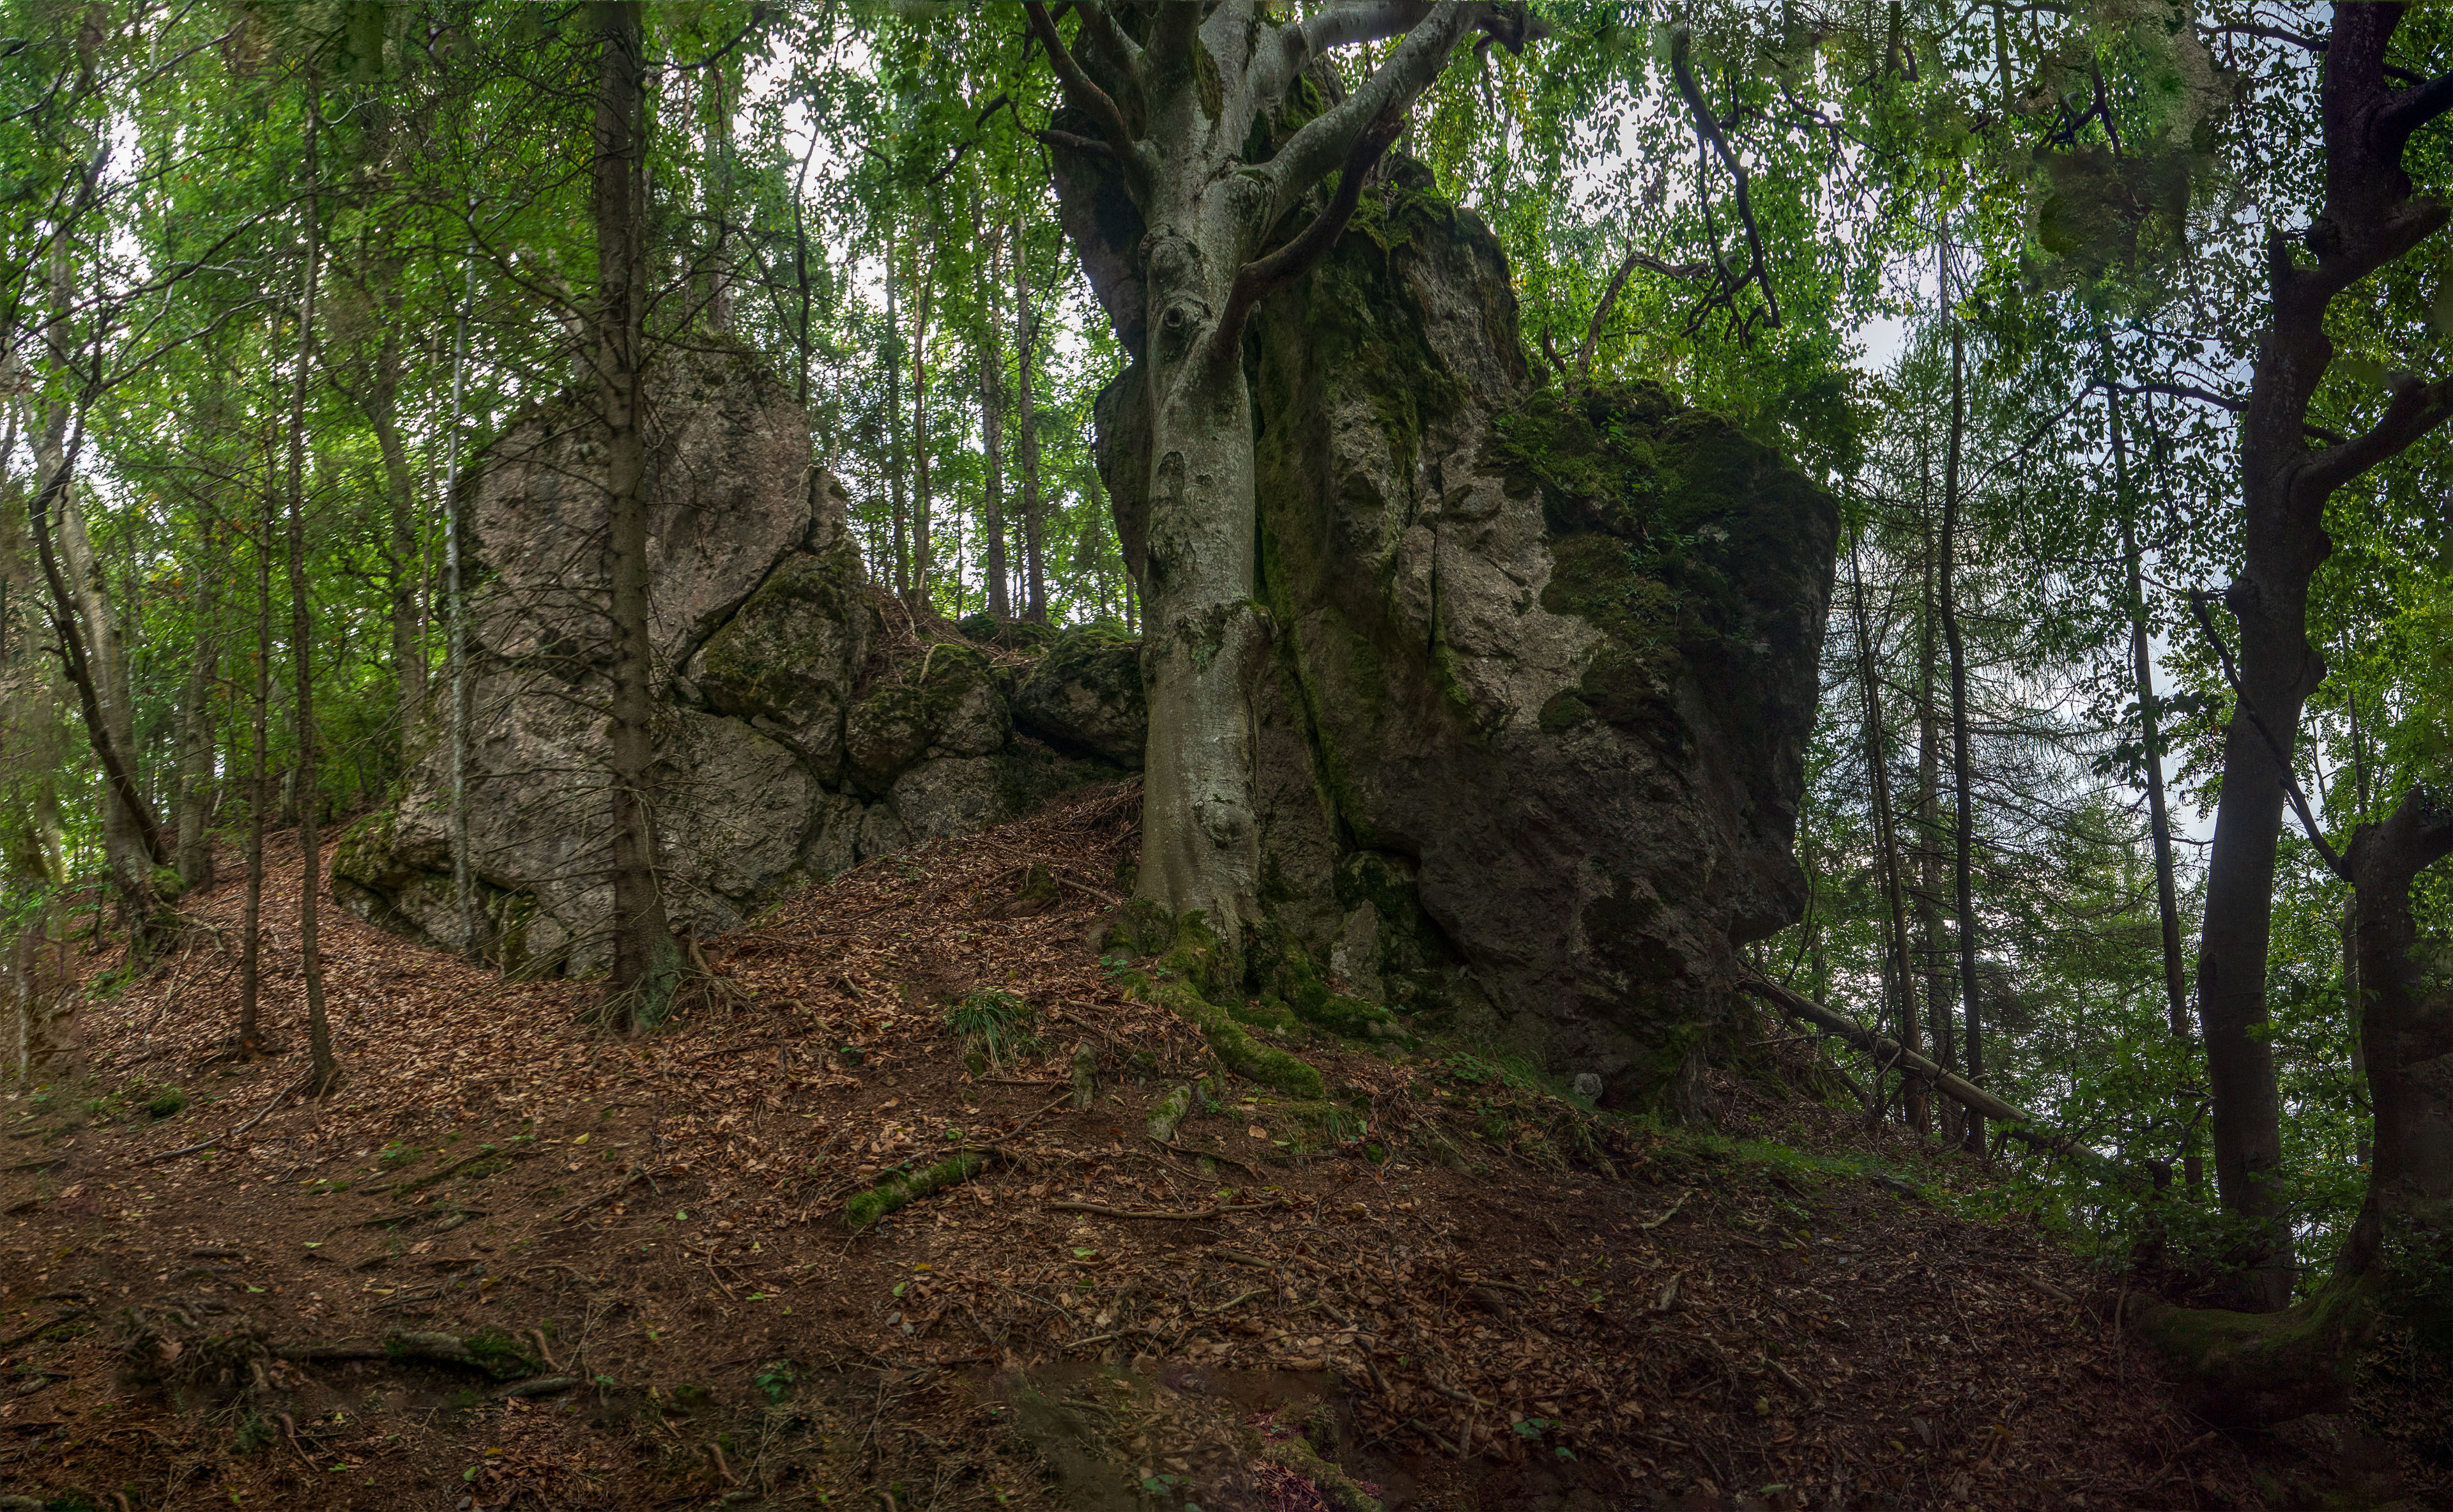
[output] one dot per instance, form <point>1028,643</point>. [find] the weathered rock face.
<point>1532,748</point>
<point>796,740</point>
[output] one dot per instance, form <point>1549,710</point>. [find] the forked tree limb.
<point>1257,279</point>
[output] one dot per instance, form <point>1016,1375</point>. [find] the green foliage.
<point>998,1023</point>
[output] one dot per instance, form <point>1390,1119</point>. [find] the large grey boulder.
<point>1085,695</point>
<point>794,742</point>
<point>1531,751</point>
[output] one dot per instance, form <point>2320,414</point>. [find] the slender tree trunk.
<point>992,438</point>
<point>259,802</point>
<point>1025,445</point>
<point>894,429</point>
<point>919,509</point>
<point>302,647</point>
<point>2176,985</point>
<point>197,730</point>
<point>647,961</point>
<point>1932,951</point>
<point>1963,860</point>
<point>1886,836</point>
<point>382,406</point>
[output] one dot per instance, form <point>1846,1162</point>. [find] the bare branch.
<point>1609,297</point>
<point>2220,402</point>
<point>1290,49</point>
<point>1707,127</point>
<point>1085,95</point>
<point>1070,143</point>
<point>1122,53</point>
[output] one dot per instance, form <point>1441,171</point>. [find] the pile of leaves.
<point>893,1220</point>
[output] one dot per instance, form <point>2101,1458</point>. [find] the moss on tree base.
<point>2253,1370</point>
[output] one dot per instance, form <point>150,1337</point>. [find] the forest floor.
<point>518,1261</point>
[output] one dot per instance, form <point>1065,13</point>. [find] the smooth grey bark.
<point>894,426</point>
<point>2370,218</point>
<point>921,544</point>
<point>646,959</point>
<point>259,802</point>
<point>380,402</point>
<point>455,609</point>
<point>323,1070</point>
<point>1186,98</point>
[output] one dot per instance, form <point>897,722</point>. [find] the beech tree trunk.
<point>382,405</point>
<point>920,533</point>
<point>323,1071</point>
<point>259,802</point>
<point>2370,218</point>
<point>194,809</point>
<point>646,959</point>
<point>1186,98</point>
<point>894,429</point>
<point>2406,1031</point>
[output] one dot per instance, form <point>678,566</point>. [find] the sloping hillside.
<point>517,1262</point>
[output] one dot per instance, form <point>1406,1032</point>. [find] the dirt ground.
<point>516,1261</point>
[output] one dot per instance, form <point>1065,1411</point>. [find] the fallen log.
<point>2015,1122</point>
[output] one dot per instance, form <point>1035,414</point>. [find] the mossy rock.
<point>942,701</point>
<point>1086,695</point>
<point>1028,636</point>
<point>789,655</point>
<point>1235,1049</point>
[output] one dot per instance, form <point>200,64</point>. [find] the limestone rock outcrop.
<point>1545,661</point>
<point>799,736</point>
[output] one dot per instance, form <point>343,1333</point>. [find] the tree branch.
<point>2416,409</point>
<point>1408,69</point>
<point>2273,746</point>
<point>2220,402</point>
<point>1277,67</point>
<point>1122,50</point>
<point>1256,279</point>
<point>1085,96</point>
<point>1682,68</point>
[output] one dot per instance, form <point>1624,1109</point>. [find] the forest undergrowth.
<point>517,1262</point>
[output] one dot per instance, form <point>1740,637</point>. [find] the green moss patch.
<point>899,1190</point>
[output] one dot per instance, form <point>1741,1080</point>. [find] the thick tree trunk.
<point>1941,1020</point>
<point>921,548</point>
<point>2370,218</point>
<point>992,444</point>
<point>647,961</point>
<point>2406,1030</point>
<point>1962,869</point>
<point>323,1071</point>
<point>1026,441</point>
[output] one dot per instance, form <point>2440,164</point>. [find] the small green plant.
<point>396,1155</point>
<point>995,1024</point>
<point>776,1378</point>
